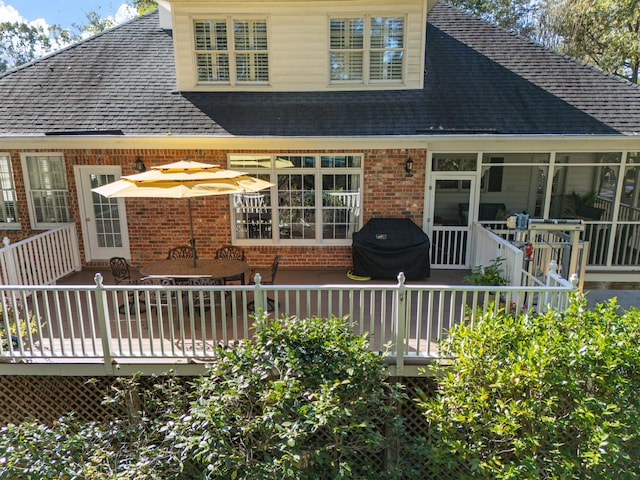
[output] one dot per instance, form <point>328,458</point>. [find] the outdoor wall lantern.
<point>139,165</point>
<point>408,166</point>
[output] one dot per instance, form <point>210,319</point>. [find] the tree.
<point>604,33</point>
<point>144,6</point>
<point>539,396</point>
<point>21,43</point>
<point>516,15</point>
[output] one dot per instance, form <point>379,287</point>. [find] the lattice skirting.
<point>47,398</point>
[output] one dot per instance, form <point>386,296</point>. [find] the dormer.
<point>297,45</point>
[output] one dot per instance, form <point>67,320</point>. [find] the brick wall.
<point>155,225</point>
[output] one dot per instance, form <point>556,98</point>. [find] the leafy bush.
<point>14,323</point>
<point>533,397</point>
<point>122,449</point>
<point>489,275</point>
<point>305,399</point>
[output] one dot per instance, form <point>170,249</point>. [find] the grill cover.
<point>386,246</point>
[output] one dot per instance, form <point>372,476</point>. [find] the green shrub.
<point>489,275</point>
<point>305,399</point>
<point>539,397</point>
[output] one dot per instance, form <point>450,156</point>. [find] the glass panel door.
<point>104,222</point>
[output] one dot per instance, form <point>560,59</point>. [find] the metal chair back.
<point>183,251</point>
<point>120,269</point>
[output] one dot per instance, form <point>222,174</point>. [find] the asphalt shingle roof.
<point>478,79</point>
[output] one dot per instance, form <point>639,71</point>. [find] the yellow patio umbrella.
<point>183,179</point>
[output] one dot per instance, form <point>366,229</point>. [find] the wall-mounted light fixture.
<point>408,167</point>
<point>139,166</point>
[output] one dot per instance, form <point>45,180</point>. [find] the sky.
<point>61,12</point>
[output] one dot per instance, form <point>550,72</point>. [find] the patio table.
<point>214,268</point>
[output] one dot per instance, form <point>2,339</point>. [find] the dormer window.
<point>242,59</point>
<point>367,49</point>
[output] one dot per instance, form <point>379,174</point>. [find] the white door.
<point>450,207</point>
<point>104,220</point>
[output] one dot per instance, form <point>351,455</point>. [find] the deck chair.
<point>120,270</point>
<point>230,252</point>
<point>161,299</point>
<point>122,275</point>
<point>205,299</point>
<point>183,251</point>
<point>270,280</point>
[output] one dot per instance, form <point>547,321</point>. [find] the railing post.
<point>9,265</point>
<point>103,324</point>
<point>258,293</point>
<point>401,320</point>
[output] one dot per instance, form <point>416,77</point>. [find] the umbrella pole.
<point>192,240</point>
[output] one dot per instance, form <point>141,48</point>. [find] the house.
<point>353,110</point>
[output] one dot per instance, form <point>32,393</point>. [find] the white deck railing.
<point>489,246</point>
<point>67,326</point>
<point>42,259</point>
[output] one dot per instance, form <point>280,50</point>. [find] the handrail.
<point>111,324</point>
<point>41,259</point>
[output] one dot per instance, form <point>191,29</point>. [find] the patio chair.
<point>204,299</point>
<point>183,251</point>
<point>120,270</point>
<point>230,252</point>
<point>122,274</point>
<point>162,298</point>
<point>270,280</point>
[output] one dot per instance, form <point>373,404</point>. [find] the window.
<point>8,201</point>
<point>315,198</point>
<point>243,59</point>
<point>366,50</point>
<point>47,191</point>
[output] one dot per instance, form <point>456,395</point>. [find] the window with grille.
<point>8,200</point>
<point>241,59</point>
<point>315,198</point>
<point>368,49</point>
<point>47,190</point>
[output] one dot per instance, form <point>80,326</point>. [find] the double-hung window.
<point>47,190</point>
<point>367,49</point>
<point>231,51</point>
<point>8,200</point>
<point>315,199</point>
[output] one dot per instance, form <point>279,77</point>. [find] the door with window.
<point>103,220</point>
<point>451,203</point>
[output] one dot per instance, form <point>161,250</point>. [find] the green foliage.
<point>21,43</point>
<point>305,399</point>
<point>516,15</point>
<point>603,33</point>
<point>14,323</point>
<point>600,32</point>
<point>490,275</point>
<point>144,6</point>
<point>539,397</point>
<point>122,449</point>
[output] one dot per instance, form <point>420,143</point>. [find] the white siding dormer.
<point>297,41</point>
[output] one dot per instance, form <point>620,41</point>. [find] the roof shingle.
<point>478,79</point>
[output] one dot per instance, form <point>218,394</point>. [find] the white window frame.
<point>366,51</point>
<point>318,171</point>
<point>61,191</point>
<point>234,51</point>
<point>8,194</point>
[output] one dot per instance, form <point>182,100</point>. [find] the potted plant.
<point>491,275</point>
